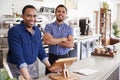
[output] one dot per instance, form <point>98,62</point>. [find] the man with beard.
<point>59,36</point>
<point>25,45</point>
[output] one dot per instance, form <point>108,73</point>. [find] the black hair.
<point>61,5</point>
<point>27,6</point>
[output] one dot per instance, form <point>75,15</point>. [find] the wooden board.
<point>62,64</point>
<point>58,63</point>
<point>105,54</point>
<point>73,76</point>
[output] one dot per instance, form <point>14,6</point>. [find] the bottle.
<point>13,11</point>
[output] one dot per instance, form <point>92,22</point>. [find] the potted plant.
<point>4,75</point>
<point>105,5</point>
<point>116,29</point>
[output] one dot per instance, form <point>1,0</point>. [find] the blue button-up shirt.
<point>58,31</point>
<point>24,47</point>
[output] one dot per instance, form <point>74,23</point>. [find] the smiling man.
<point>25,46</point>
<point>59,36</point>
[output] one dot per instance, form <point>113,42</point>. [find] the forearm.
<point>49,67</point>
<point>67,44</point>
<point>50,40</point>
<point>47,63</point>
<point>54,41</point>
<point>25,73</point>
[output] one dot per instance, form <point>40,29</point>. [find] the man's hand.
<point>25,73</point>
<point>55,69</point>
<point>69,43</point>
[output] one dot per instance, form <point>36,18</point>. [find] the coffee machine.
<point>84,26</point>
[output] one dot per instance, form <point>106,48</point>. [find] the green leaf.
<point>4,75</point>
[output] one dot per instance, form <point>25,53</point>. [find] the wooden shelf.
<point>105,54</point>
<point>105,25</point>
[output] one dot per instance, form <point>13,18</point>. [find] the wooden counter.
<point>107,67</point>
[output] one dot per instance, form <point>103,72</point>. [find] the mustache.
<point>59,20</point>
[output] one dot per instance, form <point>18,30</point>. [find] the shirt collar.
<point>58,24</point>
<point>23,26</point>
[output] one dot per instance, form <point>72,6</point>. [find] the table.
<point>107,67</point>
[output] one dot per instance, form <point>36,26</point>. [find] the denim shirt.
<point>24,47</point>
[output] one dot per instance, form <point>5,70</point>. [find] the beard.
<point>60,20</point>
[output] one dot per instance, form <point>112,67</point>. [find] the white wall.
<point>118,14</point>
<point>85,8</point>
<point>113,7</point>
<point>6,5</point>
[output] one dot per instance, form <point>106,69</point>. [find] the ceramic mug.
<point>110,48</point>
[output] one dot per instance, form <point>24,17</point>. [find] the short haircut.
<point>60,6</point>
<point>27,6</point>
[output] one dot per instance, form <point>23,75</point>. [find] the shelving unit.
<point>50,16</point>
<point>105,25</point>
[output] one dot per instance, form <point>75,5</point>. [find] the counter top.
<point>104,65</point>
<point>86,37</point>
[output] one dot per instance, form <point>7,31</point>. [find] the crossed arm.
<point>64,42</point>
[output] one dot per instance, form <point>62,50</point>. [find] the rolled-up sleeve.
<point>47,28</point>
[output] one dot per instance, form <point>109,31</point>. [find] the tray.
<point>105,54</point>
